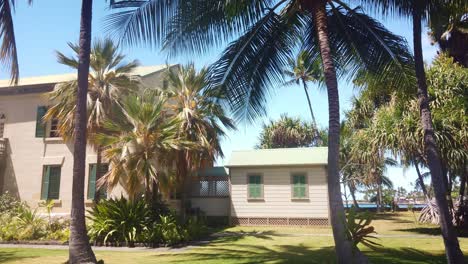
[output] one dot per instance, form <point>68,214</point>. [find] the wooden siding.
<point>277,201</point>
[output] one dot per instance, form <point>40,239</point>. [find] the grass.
<point>272,245</point>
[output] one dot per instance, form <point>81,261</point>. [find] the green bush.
<point>118,221</point>
<point>10,204</point>
<point>26,225</point>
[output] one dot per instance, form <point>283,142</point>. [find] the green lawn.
<point>279,245</point>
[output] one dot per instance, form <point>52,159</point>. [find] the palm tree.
<point>448,25</point>
<point>286,132</point>
<point>304,69</point>
<point>79,248</point>
<point>197,105</point>
<point>140,142</point>
<point>8,52</point>
<point>268,32</point>
<point>109,80</point>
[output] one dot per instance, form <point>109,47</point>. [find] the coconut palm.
<point>140,142</point>
<point>448,25</point>
<point>109,80</point>
<point>266,33</point>
<point>303,69</point>
<point>8,52</point>
<point>79,248</point>
<point>198,107</point>
<point>417,11</point>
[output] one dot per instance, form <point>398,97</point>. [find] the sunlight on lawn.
<point>269,245</point>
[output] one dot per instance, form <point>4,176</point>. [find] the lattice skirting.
<point>279,221</point>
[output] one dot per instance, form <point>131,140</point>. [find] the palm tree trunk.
<point>353,195</point>
<point>345,250</point>
<point>379,197</point>
<point>421,181</point>
<point>80,250</point>
<point>452,247</point>
<point>317,139</point>
<point>97,193</point>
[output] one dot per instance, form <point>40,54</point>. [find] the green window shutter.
<point>40,126</point>
<point>54,182</point>
<point>103,191</point>
<point>255,186</point>
<point>45,183</point>
<point>299,186</point>
<point>92,181</point>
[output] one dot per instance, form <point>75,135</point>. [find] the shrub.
<point>26,225</point>
<point>10,204</point>
<point>118,221</point>
<point>195,228</point>
<point>359,229</point>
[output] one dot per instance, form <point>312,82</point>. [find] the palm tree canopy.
<point>199,108</point>
<point>267,33</point>
<point>303,68</point>
<point>286,132</point>
<point>8,52</point>
<point>140,142</point>
<point>110,79</point>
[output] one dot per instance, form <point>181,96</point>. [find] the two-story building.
<point>255,187</point>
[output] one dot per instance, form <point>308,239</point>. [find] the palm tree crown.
<point>109,80</point>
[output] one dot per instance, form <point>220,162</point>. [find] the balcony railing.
<point>3,147</point>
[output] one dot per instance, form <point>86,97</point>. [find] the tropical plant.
<point>8,52</point>
<point>304,69</point>
<point>79,248</point>
<point>448,25</point>
<point>119,220</point>
<point>110,79</point>
<point>287,132</point>
<point>198,107</point>
<point>140,143</point>
<point>49,206</point>
<point>267,32</point>
<point>417,11</point>
<point>10,204</point>
<point>359,228</point>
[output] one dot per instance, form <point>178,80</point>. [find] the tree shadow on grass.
<point>11,255</point>
<point>247,253</point>
<point>433,231</point>
<point>394,217</point>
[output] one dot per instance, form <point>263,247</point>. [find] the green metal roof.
<point>279,157</point>
<point>213,172</point>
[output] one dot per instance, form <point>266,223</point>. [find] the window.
<point>51,182</point>
<point>40,126</point>
<point>54,128</point>
<point>299,186</point>
<point>92,181</point>
<point>255,187</point>
<point>44,129</point>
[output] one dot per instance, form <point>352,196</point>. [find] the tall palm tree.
<point>109,80</point>
<point>267,32</point>
<point>8,52</point>
<point>197,105</point>
<point>79,248</point>
<point>140,142</point>
<point>304,69</point>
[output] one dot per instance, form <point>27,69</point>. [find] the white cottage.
<point>279,187</point>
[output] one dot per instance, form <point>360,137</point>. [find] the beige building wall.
<point>26,155</point>
<point>277,201</point>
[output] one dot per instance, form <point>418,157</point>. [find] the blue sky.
<point>48,26</point>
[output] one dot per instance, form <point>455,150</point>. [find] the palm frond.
<point>8,51</point>
<point>255,62</point>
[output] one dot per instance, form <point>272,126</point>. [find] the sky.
<point>47,26</point>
